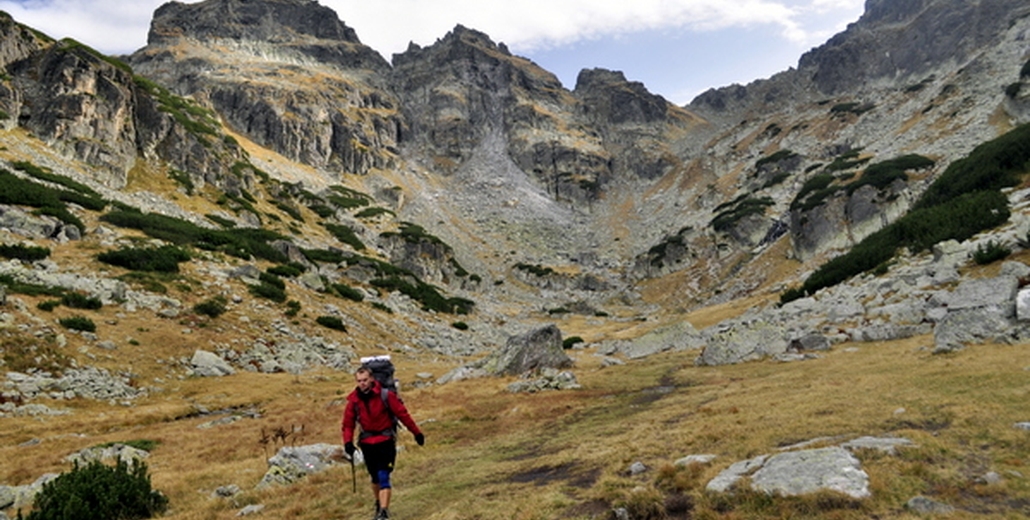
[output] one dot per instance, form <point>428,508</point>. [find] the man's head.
<point>363,376</point>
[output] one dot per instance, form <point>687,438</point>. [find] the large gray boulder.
<point>736,342</point>
<point>292,463</point>
<point>208,364</point>
<point>534,350</point>
<point>798,473</point>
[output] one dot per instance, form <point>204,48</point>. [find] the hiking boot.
<point>383,514</point>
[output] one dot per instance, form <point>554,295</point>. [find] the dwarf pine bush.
<point>99,491</point>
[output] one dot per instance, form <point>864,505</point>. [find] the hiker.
<point>377,411</point>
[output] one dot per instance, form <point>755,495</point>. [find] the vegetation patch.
<point>991,252</point>
<point>97,490</point>
<point>750,206</point>
<point>373,212</point>
<point>29,289</point>
<point>241,243</point>
<point>196,119</point>
<point>965,200</point>
<point>80,323</point>
<point>77,300</point>
<point>345,234</point>
<point>48,201</point>
<point>535,270</point>
<point>348,292</point>
<point>24,253</point>
<point>27,353</point>
<point>213,307</point>
<point>426,294</point>
<point>331,322</point>
<point>164,259</point>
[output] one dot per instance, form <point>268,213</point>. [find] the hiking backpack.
<point>382,370</point>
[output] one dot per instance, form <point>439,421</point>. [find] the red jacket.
<point>373,415</point>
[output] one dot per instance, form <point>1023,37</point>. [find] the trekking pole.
<point>353,478</point>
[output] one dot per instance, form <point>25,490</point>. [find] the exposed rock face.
<point>92,109</point>
<point>897,39</point>
<point>286,73</point>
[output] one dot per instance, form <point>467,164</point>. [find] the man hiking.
<point>377,411</point>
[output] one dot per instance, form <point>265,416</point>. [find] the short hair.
<point>363,369</point>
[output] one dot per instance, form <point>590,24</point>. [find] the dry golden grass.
<point>494,455</point>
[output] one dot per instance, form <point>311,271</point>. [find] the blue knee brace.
<point>384,479</point>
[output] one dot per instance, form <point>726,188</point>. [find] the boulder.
<point>797,473</point>
<point>292,463</point>
<point>737,342</point>
<point>534,350</point>
<point>208,364</point>
<point>927,506</point>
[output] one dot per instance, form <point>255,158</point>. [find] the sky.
<point>676,48</point>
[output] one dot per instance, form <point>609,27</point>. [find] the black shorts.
<point>379,457</point>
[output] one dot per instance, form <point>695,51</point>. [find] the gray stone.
<point>802,472</point>
<point>726,479</point>
<point>1023,305</point>
<point>1022,426</point>
<point>530,351</point>
<point>1016,269</point>
<point>695,459</point>
<point>312,281</point>
<point>738,342</point>
<point>252,509</point>
<point>970,325</point>
<point>810,342</point>
<point>228,491</point>
<point>246,271</point>
<point>637,468</point>
<point>293,463</point>
<point>887,445</point>
<point>926,506</point>
<point>999,292</point>
<point>208,364</point>
<point>678,337</point>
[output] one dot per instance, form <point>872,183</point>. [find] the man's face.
<point>364,380</point>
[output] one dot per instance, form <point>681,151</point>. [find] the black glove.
<point>420,439</point>
<point>349,448</point>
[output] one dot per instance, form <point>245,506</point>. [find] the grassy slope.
<point>493,455</point>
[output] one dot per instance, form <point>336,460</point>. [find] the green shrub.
<point>1013,89</point>
<point>460,325</point>
<point>99,491</point>
<point>287,270</point>
<point>213,308</point>
<point>292,308</point>
<point>241,243</point>
<point>268,291</point>
<point>570,341</point>
<point>537,270</point>
<point>990,252</point>
<point>78,323</point>
<point>750,206</point>
<point>347,198</point>
<point>781,155</point>
<point>426,294</point>
<point>81,301</point>
<point>48,201</point>
<point>882,174</point>
<point>164,259</point>
<point>322,210</point>
<point>273,280</point>
<point>327,256</point>
<point>372,212</point>
<point>345,234</point>
<point>30,289</point>
<point>382,307</point>
<point>25,253</point>
<point>993,165</point>
<point>47,175</point>
<point>331,322</point>
<point>48,305</point>
<point>346,291</point>
<point>221,221</point>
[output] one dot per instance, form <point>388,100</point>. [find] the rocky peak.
<point>610,96</point>
<point>264,20</point>
<point>907,38</point>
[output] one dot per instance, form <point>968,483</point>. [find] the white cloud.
<point>117,26</point>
